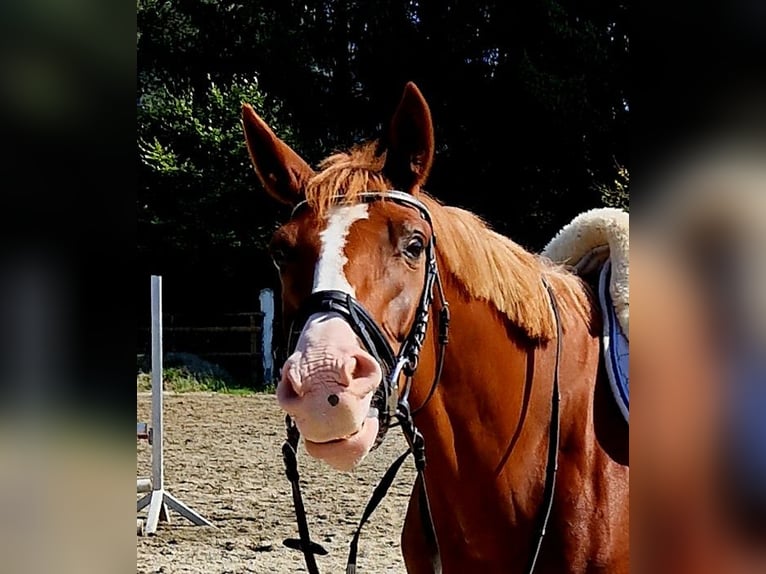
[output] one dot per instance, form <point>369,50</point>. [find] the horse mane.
<point>487,265</point>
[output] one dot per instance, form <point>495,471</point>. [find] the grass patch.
<point>271,388</point>
<point>182,380</point>
<point>188,373</point>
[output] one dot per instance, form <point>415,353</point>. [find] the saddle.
<point>595,245</point>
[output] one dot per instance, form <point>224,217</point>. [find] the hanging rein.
<point>393,407</point>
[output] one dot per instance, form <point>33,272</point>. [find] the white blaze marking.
<point>324,327</point>
<point>328,273</point>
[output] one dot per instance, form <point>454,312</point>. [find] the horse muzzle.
<point>327,387</point>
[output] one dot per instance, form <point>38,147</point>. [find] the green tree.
<point>617,194</point>
<point>530,101</point>
<point>198,207</point>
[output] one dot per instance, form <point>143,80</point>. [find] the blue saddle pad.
<point>616,345</point>
<point>745,432</point>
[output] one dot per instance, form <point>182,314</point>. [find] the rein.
<point>393,407</point>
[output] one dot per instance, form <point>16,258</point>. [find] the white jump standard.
<point>157,498</point>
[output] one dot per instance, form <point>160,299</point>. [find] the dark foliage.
<point>530,102</point>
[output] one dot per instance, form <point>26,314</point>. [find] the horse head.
<point>357,267</point>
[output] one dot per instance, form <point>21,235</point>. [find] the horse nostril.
<point>333,400</point>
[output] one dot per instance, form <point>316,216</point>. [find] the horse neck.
<point>486,426</point>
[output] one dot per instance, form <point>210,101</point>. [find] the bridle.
<point>387,398</point>
<point>393,407</point>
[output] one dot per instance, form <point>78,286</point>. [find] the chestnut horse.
<point>516,404</point>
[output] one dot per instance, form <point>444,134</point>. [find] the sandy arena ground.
<point>223,459</point>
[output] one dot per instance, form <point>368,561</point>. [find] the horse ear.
<point>282,172</point>
<point>409,142</point>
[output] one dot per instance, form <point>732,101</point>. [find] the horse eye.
<point>414,248</point>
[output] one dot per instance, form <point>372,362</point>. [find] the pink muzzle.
<point>327,387</point>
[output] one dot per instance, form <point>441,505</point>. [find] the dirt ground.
<point>223,459</point>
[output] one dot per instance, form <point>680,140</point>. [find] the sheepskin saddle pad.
<point>597,241</point>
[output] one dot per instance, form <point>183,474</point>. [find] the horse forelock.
<point>344,175</point>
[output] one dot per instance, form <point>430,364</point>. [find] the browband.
<point>370,196</point>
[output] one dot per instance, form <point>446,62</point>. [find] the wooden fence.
<point>238,342</point>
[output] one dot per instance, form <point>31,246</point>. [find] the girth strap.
<point>554,434</point>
